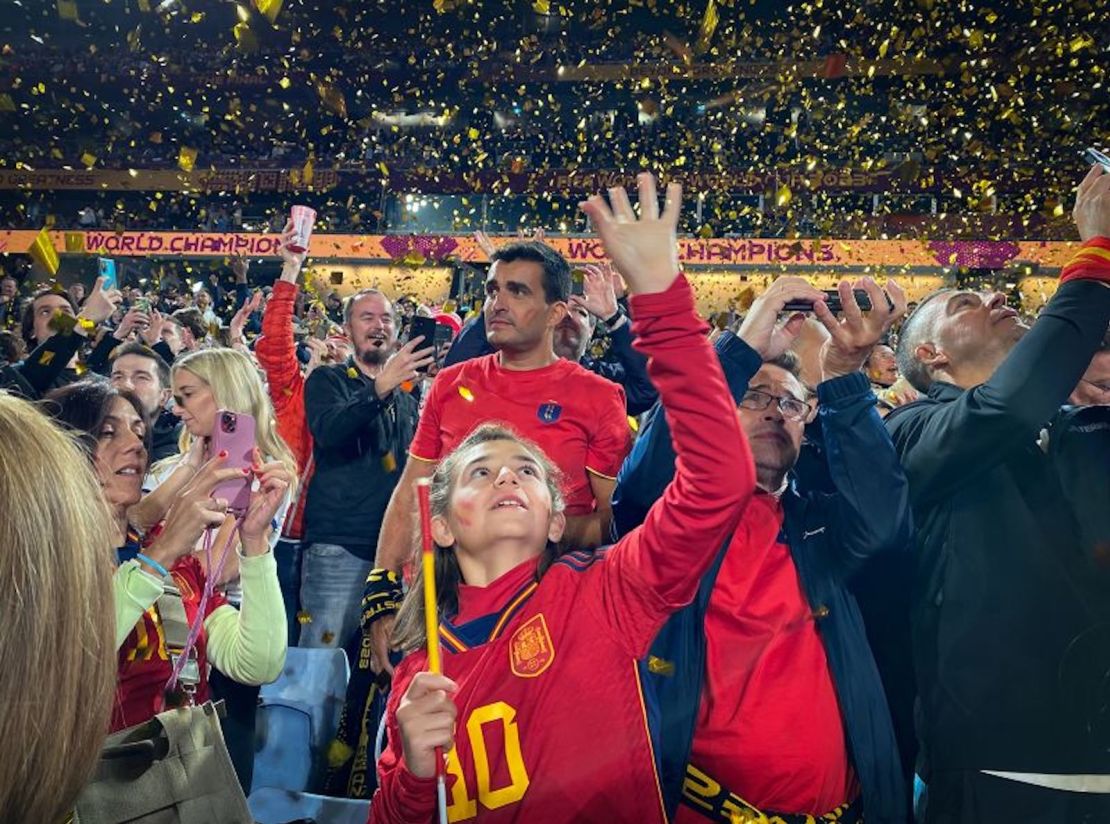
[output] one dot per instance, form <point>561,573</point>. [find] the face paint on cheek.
<point>464,512</point>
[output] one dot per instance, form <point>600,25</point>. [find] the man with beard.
<point>362,423</point>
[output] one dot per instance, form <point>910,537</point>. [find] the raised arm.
<point>945,445</point>
<point>656,569</point>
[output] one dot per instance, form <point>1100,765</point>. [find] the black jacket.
<point>1009,597</point>
<point>830,535</point>
<point>45,368</point>
<point>165,436</point>
<point>360,447</point>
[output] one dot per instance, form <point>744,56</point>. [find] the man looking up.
<point>575,416</point>
<point>1011,600</point>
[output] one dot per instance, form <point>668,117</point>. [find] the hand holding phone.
<point>235,434</point>
<point>422,327</point>
<point>1093,156</point>
<point>832,300</point>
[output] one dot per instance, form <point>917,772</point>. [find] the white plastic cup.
<point>303,217</point>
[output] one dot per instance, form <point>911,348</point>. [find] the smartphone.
<point>1093,155</point>
<point>235,435</point>
<point>832,301</point>
<point>426,328</point>
<point>577,282</point>
<point>107,269</point>
<point>143,305</point>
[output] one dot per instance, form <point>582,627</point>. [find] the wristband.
<point>616,316</point>
<point>382,596</point>
<point>150,562</point>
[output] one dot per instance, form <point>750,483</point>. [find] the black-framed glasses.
<point>791,408</point>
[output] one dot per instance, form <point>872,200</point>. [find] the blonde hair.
<point>237,387</point>
<point>409,632</point>
<point>58,654</point>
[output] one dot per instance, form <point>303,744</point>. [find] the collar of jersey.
<point>458,638</point>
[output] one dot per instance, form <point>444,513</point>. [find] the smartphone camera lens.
<point>228,422</point>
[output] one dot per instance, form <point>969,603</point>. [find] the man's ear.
<point>441,532</point>
<point>557,527</point>
<point>167,393</point>
<point>929,355</point>
<point>557,313</point>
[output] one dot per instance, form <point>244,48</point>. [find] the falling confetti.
<point>466,394</point>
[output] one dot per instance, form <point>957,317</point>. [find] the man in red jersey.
<point>574,415</point>
<point>539,706</point>
<point>769,696</point>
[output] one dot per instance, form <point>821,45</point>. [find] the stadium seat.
<point>298,715</point>
<point>273,806</point>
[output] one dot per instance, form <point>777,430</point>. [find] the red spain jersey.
<point>553,725</point>
<point>576,417</point>
<point>144,664</point>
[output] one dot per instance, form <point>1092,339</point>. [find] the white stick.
<point>441,796</point>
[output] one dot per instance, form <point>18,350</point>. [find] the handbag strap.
<point>171,611</point>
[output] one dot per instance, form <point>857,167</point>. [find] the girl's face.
<point>121,458</point>
<point>194,403</point>
<point>500,497</point>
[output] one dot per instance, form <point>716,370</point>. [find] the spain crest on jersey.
<point>530,649</point>
<point>549,412</point>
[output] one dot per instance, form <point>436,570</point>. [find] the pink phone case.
<point>234,433</point>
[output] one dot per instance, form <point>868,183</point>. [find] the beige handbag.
<point>173,769</point>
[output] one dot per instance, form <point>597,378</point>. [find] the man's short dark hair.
<point>191,318</point>
<point>27,323</point>
<point>915,331</point>
<point>12,349</point>
<point>556,270</point>
<point>144,351</point>
<point>789,361</point>
<point>348,304</point>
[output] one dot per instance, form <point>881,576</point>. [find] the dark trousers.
<point>287,555</point>
<point>241,703</point>
<point>969,797</point>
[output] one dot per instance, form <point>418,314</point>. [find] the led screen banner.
<point>422,249</point>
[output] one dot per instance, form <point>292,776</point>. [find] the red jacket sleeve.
<point>655,570</point>
<point>1091,262</point>
<point>277,355</point>
<point>401,796</point>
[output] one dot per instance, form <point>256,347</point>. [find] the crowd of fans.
<point>807,563</point>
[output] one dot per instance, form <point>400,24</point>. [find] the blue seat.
<point>272,806</point>
<point>298,715</point>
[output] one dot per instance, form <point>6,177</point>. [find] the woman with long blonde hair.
<point>204,383</point>
<point>57,654</point>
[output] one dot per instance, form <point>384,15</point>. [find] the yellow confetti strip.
<point>89,159</point>
<point>43,253</point>
<point>352,372</point>
<point>389,463</point>
<point>466,394</point>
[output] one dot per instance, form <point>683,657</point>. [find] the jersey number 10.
<point>463,805</point>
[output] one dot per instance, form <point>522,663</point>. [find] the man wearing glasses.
<point>769,695</point>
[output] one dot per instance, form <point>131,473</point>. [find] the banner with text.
<point>420,249</point>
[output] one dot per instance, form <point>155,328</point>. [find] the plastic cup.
<point>303,217</point>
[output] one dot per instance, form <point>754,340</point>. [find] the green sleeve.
<point>248,644</point>
<point>135,592</point>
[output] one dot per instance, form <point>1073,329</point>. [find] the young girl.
<point>540,705</point>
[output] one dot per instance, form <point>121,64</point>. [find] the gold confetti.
<point>43,253</point>
<point>186,159</point>
<point>89,159</point>
<point>269,9</point>
<point>466,394</point>
<point>389,463</point>
<point>304,617</point>
<point>75,242</point>
<point>67,10</point>
<point>352,372</point>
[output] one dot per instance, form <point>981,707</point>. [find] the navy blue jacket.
<point>830,536</point>
<point>629,369</point>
